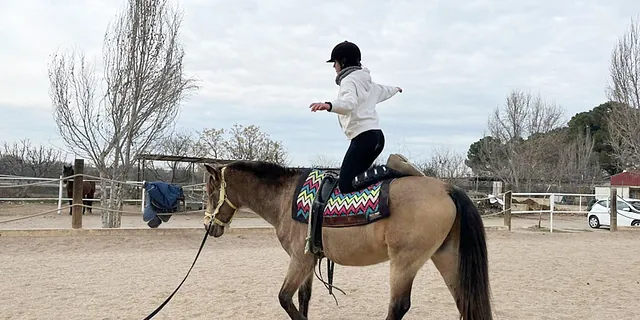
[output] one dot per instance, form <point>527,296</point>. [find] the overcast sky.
<point>263,63</point>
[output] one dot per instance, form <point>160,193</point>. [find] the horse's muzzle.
<point>215,230</point>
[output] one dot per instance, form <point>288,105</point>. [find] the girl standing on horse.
<point>356,109</point>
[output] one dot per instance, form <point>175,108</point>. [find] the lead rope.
<point>222,199</point>
<point>185,277</point>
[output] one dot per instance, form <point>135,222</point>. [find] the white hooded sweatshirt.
<point>356,102</point>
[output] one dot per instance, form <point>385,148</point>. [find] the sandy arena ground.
<point>534,275</point>
<point>584,274</point>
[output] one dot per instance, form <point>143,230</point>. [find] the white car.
<point>628,213</point>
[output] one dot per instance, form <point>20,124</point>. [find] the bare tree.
<point>491,157</point>
<point>324,161</point>
<point>624,136</point>
<point>578,158</point>
<point>524,115</point>
<point>211,144</point>
<point>546,159</point>
<point>624,68</point>
<point>180,144</point>
<point>512,151</point>
<point>624,89</point>
<point>13,158</point>
<point>22,158</point>
<point>249,143</point>
<point>240,143</point>
<point>144,84</point>
<point>25,159</point>
<point>445,163</point>
<point>561,158</point>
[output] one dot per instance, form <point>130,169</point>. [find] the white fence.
<point>7,182</point>
<point>554,199</point>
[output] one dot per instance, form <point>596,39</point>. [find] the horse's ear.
<point>213,171</point>
<point>214,175</point>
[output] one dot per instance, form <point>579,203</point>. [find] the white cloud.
<point>263,62</point>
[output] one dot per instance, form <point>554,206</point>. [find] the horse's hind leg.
<point>85,203</point>
<point>404,265</point>
<point>88,203</point>
<point>445,259</point>
<point>299,271</point>
<point>304,296</point>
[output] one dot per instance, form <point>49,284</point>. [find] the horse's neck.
<point>268,202</point>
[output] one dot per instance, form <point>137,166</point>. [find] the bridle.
<point>222,199</point>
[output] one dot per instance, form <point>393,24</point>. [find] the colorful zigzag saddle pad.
<point>342,209</point>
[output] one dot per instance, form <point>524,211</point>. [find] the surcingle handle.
<point>330,267</point>
<point>307,246</point>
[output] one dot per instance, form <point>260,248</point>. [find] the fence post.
<point>76,213</point>
<point>580,203</point>
<point>507,209</point>
<point>613,212</point>
<point>143,197</point>
<point>60,186</point>
<point>552,205</point>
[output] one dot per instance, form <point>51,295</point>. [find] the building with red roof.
<point>627,183</point>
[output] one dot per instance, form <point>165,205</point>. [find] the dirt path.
<point>534,276</point>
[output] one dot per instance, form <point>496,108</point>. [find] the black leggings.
<point>362,152</point>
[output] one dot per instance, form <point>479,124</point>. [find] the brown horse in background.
<point>88,188</point>
<point>429,220</point>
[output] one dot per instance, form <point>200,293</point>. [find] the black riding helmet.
<point>346,53</point>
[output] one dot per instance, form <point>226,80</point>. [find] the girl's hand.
<point>318,106</point>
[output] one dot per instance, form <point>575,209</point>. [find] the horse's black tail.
<point>473,294</point>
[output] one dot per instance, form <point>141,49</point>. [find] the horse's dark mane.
<point>267,172</point>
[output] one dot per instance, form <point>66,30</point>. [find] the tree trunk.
<point>104,202</point>
<point>112,219</point>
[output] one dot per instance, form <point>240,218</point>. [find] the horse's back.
<point>88,187</point>
<point>421,214</point>
<point>420,206</point>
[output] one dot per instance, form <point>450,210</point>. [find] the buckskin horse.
<point>88,188</point>
<point>405,219</point>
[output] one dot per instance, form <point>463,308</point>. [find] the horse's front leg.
<point>300,269</point>
<point>304,296</point>
<point>88,204</point>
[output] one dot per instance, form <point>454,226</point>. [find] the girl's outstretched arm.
<point>385,92</point>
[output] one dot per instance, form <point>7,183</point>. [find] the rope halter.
<point>222,199</point>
